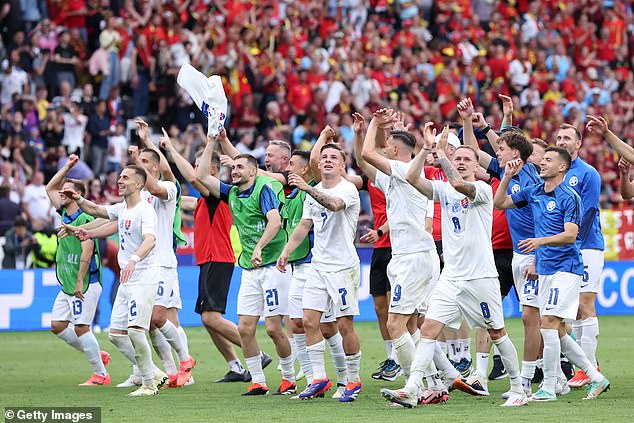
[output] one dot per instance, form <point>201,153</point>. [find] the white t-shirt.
<point>466,231</point>
<point>406,211</point>
<point>74,130</point>
<point>133,224</point>
<point>335,232</point>
<point>116,145</point>
<point>12,83</point>
<point>38,202</point>
<point>165,211</point>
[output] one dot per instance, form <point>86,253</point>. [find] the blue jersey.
<point>586,181</point>
<point>520,220</point>
<point>551,210</point>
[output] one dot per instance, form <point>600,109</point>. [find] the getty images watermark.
<point>52,414</point>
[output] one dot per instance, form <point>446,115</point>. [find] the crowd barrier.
<point>27,296</point>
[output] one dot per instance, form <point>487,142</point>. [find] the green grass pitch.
<point>40,370</point>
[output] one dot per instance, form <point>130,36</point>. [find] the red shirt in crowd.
<point>212,225</point>
<point>377,199</point>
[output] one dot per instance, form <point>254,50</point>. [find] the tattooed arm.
<point>454,178</point>
<point>330,202</point>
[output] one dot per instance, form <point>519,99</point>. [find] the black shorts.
<point>213,286</point>
<point>503,259</point>
<point>379,283</point>
<point>439,251</point>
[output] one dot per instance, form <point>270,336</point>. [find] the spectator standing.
<point>99,130</point>
<point>18,245</point>
<point>35,202</point>
<point>109,40</point>
<point>74,130</point>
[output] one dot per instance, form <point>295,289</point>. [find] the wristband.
<point>80,200</point>
<point>379,232</point>
<point>487,129</point>
<point>135,258</point>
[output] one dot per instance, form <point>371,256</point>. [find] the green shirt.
<point>69,254</point>
<point>251,221</point>
<point>292,215</point>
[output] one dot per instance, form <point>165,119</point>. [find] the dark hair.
<point>303,154</point>
<point>405,137</point>
<point>215,160</point>
<point>139,171</point>
<point>20,221</point>
<point>250,159</point>
<point>563,155</point>
<point>517,141</point>
<point>540,142</point>
<point>333,146</point>
<point>155,156</point>
<point>5,191</point>
<point>568,126</point>
<point>78,186</point>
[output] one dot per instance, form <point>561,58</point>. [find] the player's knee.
<point>309,324</point>
<point>345,326</point>
<point>246,329</point>
<point>530,318</point>
<point>328,330</point>
<point>58,327</point>
<point>496,334</point>
<point>394,327</point>
<point>81,329</point>
<point>210,320</point>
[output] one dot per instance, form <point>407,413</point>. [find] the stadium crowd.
<point>74,75</point>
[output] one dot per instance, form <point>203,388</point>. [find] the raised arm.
<point>507,110</point>
<point>326,135</point>
<point>357,141</point>
<point>626,186</point>
<point>87,206</point>
<point>369,153</point>
<point>465,110</point>
<point>464,187</point>
<point>299,234</point>
<point>330,202</point>
<point>188,203</point>
<point>211,183</point>
<point>144,136</point>
<point>183,166</point>
<point>599,127</point>
<point>501,200</point>
<point>227,147</point>
<point>415,175</point>
<point>57,181</point>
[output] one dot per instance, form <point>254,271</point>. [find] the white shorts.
<point>413,278</point>
<point>67,308</point>
<point>135,300</point>
<point>593,261</point>
<point>559,295</point>
<point>479,301</point>
<point>168,293</point>
<point>338,291</point>
<point>296,295</point>
<point>264,292</point>
<point>527,290</point>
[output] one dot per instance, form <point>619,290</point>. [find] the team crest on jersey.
<point>455,207</point>
<point>149,199</point>
<point>551,205</point>
<point>126,224</point>
<point>464,202</point>
<point>515,189</point>
<point>573,181</point>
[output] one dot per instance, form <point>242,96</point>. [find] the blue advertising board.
<point>27,296</point>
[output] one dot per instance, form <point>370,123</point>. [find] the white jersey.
<point>335,232</point>
<point>466,231</point>
<point>406,211</point>
<point>133,224</point>
<point>165,211</point>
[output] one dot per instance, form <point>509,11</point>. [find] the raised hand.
<point>72,161</point>
<point>384,118</point>
<point>328,133</point>
<point>133,153</point>
<point>478,120</point>
<point>141,128</point>
<point>507,104</point>
<point>399,122</point>
<point>72,194</point>
<point>624,167</point>
<point>465,108</point>
<point>597,125</point>
<point>358,124</point>
<point>513,167</point>
<point>165,142</point>
<point>444,136</point>
<point>429,135</point>
<point>225,160</point>
<point>297,181</point>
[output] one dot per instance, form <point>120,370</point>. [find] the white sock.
<point>184,339</point>
<point>441,362</point>
<point>577,328</point>
<point>135,368</point>
<point>302,355</point>
<point>288,369</point>
<point>589,340</point>
<point>69,336</point>
<point>124,345</point>
<point>353,362</point>
<point>316,353</point>
<point>164,351</point>
<point>91,348</point>
<point>577,357</point>
<point>455,354</point>
<point>174,339</point>
<point>496,351</point>
<point>338,355</point>
<point>528,370</point>
<point>508,354</point>
<point>552,351</point>
<point>443,347</point>
<point>235,366</point>
<point>254,364</point>
<point>423,365</point>
<point>143,355</point>
<point>389,348</point>
<point>405,351</point>
<point>416,337</point>
<point>482,363</point>
<point>465,347</point>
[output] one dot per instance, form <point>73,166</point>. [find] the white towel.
<point>208,95</point>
